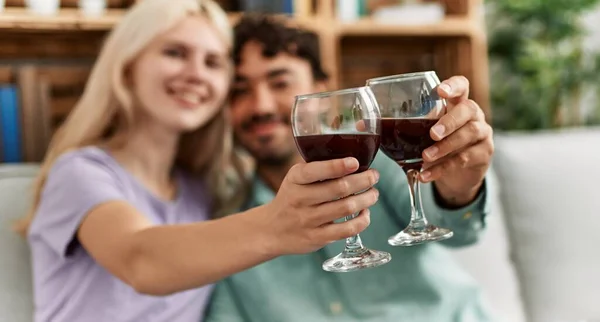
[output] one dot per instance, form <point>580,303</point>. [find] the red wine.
<point>363,147</point>
<point>403,140</point>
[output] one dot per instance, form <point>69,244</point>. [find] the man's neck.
<point>273,175</point>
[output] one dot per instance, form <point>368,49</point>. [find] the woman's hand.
<point>311,197</point>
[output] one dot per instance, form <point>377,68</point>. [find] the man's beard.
<point>274,160</point>
<point>258,119</point>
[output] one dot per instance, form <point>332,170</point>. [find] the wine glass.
<point>410,105</point>
<point>335,125</point>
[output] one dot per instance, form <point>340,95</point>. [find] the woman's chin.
<point>187,127</point>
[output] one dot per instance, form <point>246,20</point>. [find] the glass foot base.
<point>411,236</point>
<point>349,261</point>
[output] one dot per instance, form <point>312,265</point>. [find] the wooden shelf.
<point>66,19</point>
<point>72,19</point>
<point>350,52</point>
<point>451,26</point>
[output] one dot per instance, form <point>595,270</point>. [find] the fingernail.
<point>426,175</point>
<point>446,88</point>
<point>376,173</point>
<point>439,130</point>
<point>350,163</point>
<point>432,151</point>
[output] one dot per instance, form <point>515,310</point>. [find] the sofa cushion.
<point>16,301</point>
<point>550,187</point>
<point>489,262</point>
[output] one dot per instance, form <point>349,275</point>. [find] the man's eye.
<point>280,85</point>
<point>236,92</point>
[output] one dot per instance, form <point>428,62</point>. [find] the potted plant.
<point>540,69</point>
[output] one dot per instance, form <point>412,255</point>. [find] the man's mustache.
<point>259,119</point>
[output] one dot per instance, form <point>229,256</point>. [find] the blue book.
<point>1,131</point>
<point>288,7</point>
<point>10,124</point>
<point>268,6</point>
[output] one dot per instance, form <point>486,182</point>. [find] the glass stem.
<point>417,219</point>
<point>353,244</point>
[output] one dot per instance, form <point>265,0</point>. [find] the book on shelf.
<point>397,12</point>
<point>10,124</point>
<point>351,10</point>
<point>279,6</point>
<point>267,6</point>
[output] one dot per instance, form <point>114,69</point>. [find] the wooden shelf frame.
<point>14,19</point>
<point>463,25</point>
<point>451,26</point>
<point>71,19</point>
<point>458,43</point>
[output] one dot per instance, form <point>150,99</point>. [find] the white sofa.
<point>539,260</point>
<point>15,273</point>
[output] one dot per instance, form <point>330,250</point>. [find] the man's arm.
<point>467,222</point>
<point>461,157</point>
<point>458,162</point>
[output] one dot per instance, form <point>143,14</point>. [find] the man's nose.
<point>264,100</point>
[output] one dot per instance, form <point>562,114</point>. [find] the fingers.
<point>361,126</point>
<point>334,232</point>
<point>306,173</point>
<point>337,122</point>
<point>474,157</point>
<point>469,134</point>
<point>338,188</point>
<point>456,118</point>
<point>455,88</point>
<point>341,208</point>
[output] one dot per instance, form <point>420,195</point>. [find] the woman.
<point>119,230</point>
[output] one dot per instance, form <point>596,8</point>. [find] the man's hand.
<point>457,163</point>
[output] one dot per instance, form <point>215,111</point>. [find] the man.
<point>421,283</point>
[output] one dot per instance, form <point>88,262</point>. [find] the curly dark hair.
<point>276,37</point>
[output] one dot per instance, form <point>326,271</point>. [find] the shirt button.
<point>467,215</point>
<point>335,307</point>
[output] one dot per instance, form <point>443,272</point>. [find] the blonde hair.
<point>107,101</point>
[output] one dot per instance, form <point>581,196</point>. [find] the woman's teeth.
<point>189,97</point>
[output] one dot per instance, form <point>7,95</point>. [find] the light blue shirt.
<point>421,284</point>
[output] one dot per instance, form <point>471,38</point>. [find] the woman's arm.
<point>163,259</point>
<point>160,260</point>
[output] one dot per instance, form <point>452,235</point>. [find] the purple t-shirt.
<point>69,285</point>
